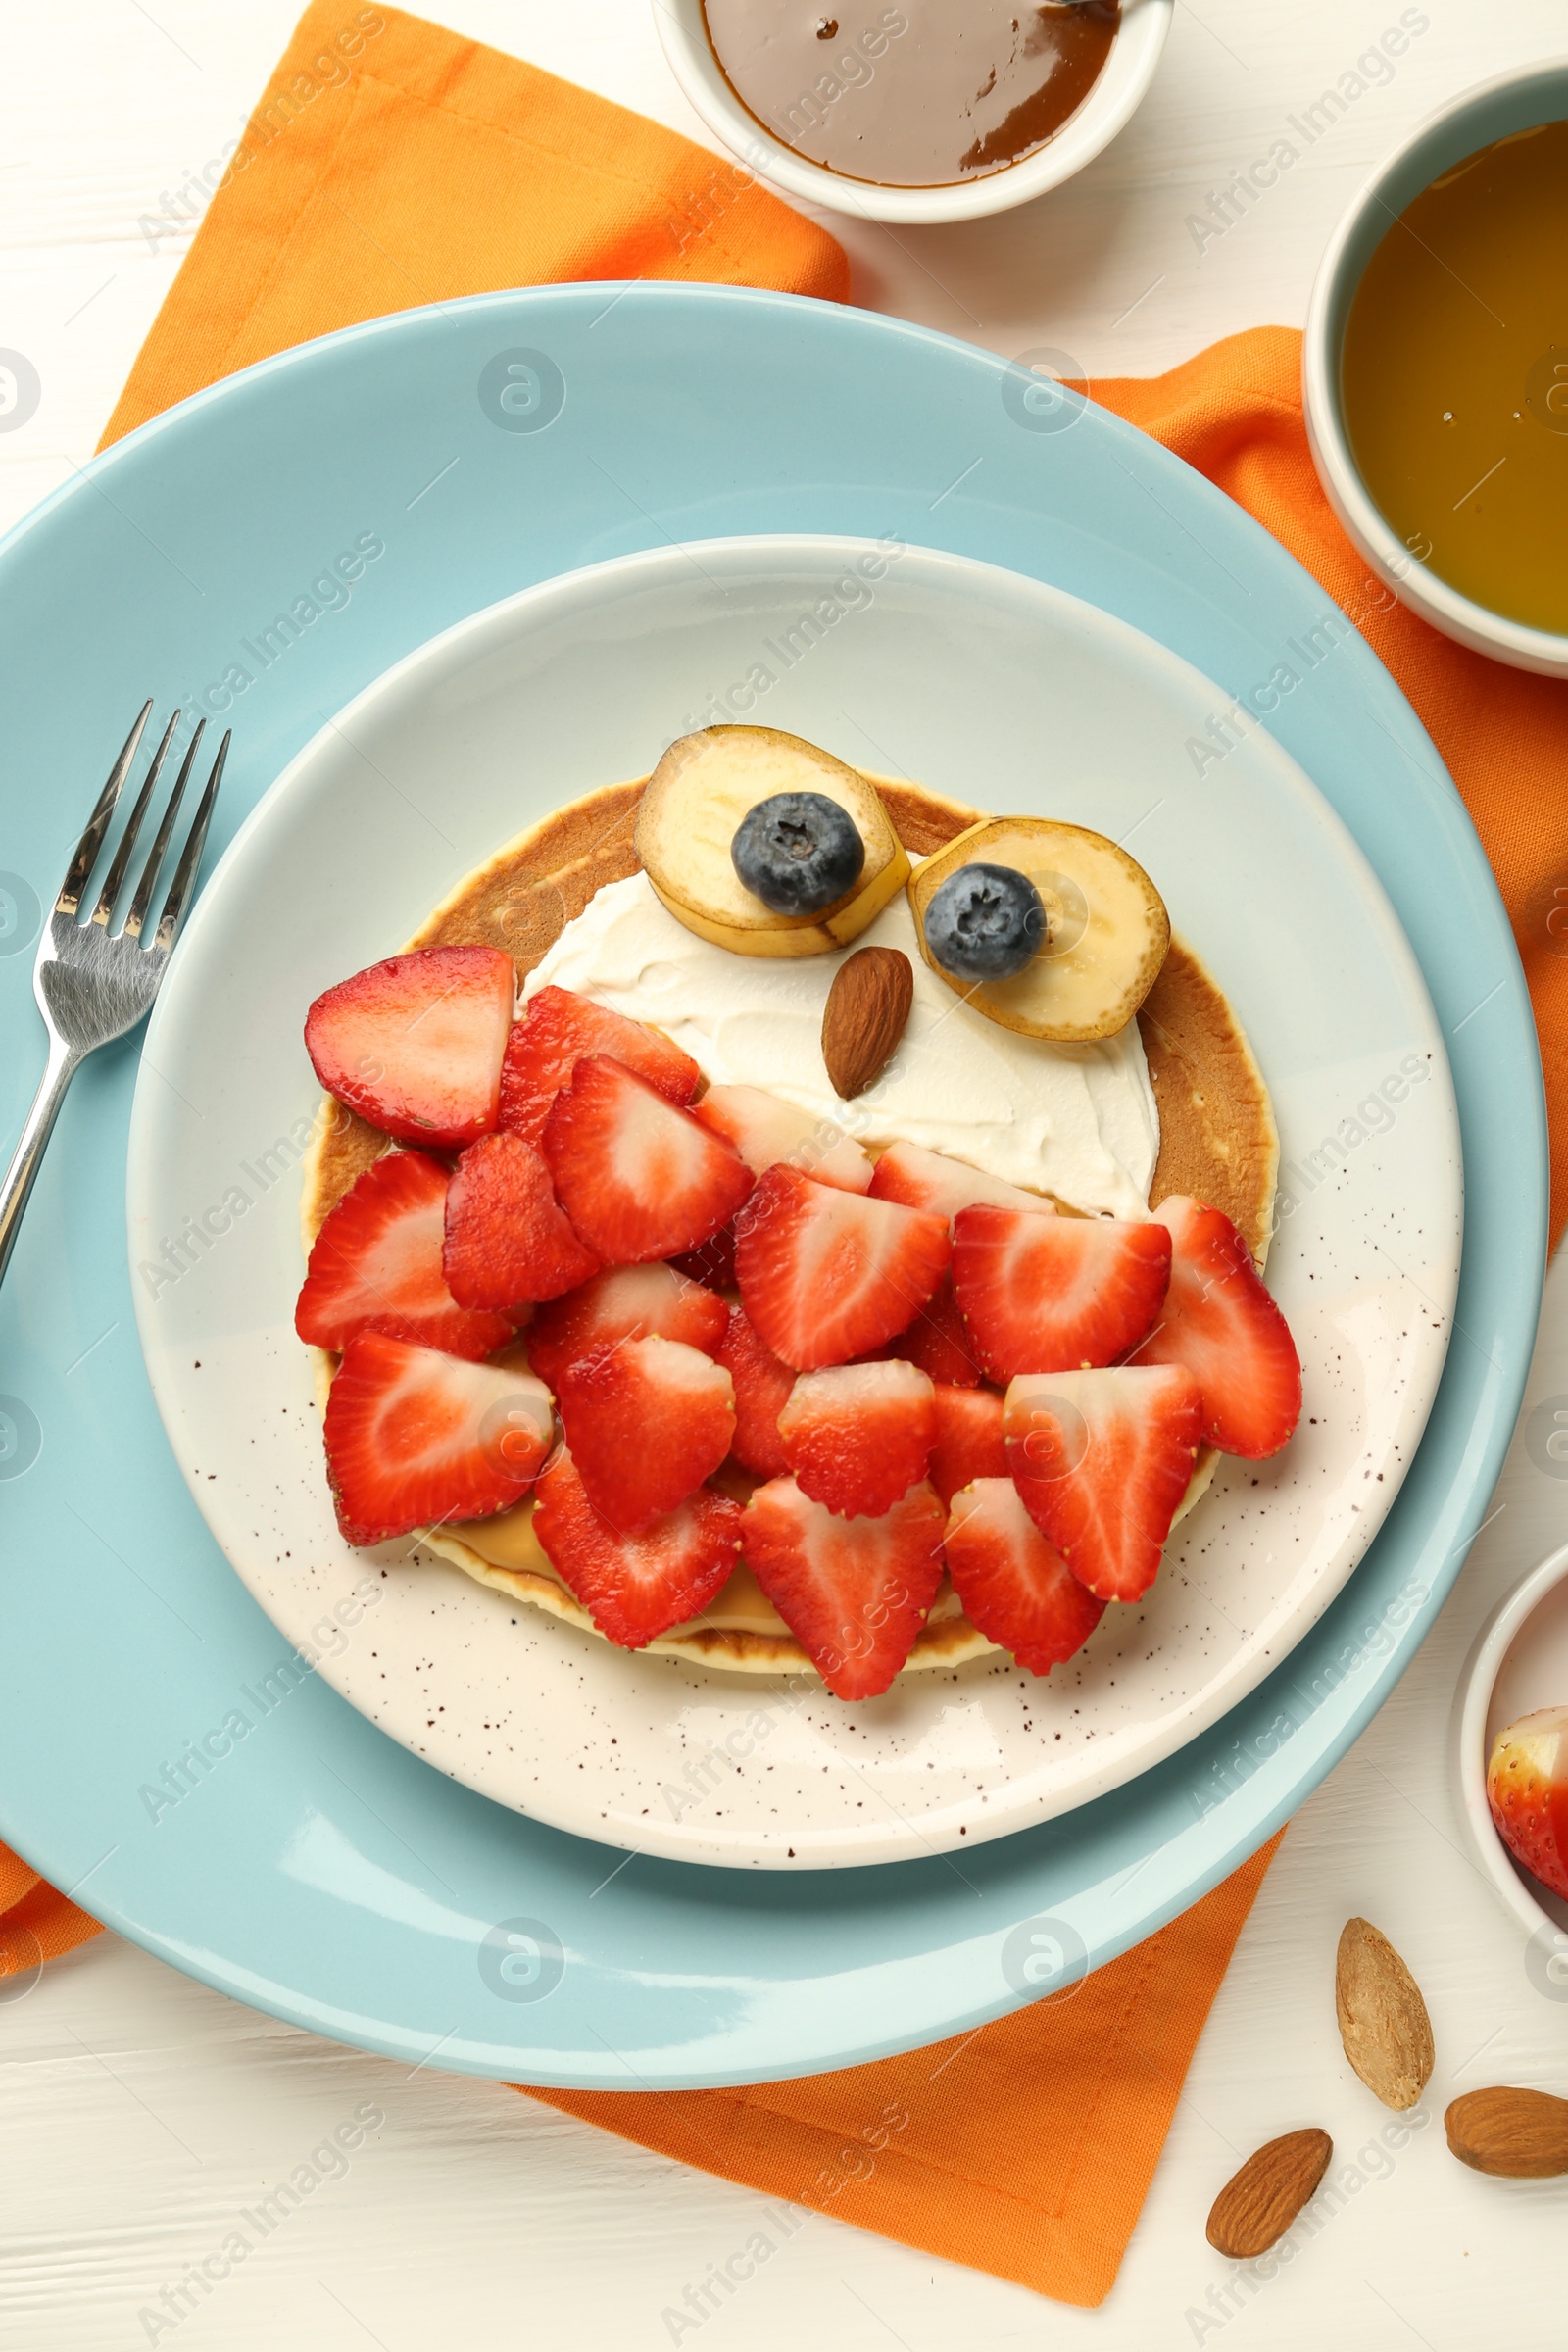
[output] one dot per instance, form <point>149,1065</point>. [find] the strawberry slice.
<point>937,1341</point>
<point>712,1262</point>
<point>636,1586</point>
<point>763,1386</point>
<point>825,1275</point>
<point>765,1131</point>
<point>969,1441</point>
<point>1101,1460</point>
<point>1527,1789</point>
<point>624,1302</point>
<point>557,1030</point>
<point>415,1045</point>
<point>1055,1293</point>
<point>859,1436</point>
<point>1013,1581</point>
<point>854,1592</point>
<point>1220,1322</point>
<point>923,1179</point>
<point>646,1422</point>
<point>506,1238</point>
<point>414,1437</point>
<point>638,1177</point>
<point>376,1265</point>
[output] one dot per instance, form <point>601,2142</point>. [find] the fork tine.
<point>92,841</point>
<point>103,912</point>
<point>179,889</point>
<point>155,859</point>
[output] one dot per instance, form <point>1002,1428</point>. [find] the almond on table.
<point>1513,2134</point>
<point>1258,2204</point>
<point>1382,2017</point>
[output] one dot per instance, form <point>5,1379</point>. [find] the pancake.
<point>1217,1141</point>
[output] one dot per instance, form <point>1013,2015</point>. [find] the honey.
<point>1455,377</point>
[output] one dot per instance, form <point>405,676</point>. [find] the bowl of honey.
<point>934,109</point>
<point>1435,369</point>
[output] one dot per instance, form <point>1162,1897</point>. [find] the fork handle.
<point>62,1064</point>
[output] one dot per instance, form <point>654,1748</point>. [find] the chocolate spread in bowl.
<point>921,96</point>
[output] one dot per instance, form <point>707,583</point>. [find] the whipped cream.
<point>1076,1121</point>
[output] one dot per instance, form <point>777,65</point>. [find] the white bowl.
<point>1519,1662</point>
<point>1129,71</point>
<point>1492,109</point>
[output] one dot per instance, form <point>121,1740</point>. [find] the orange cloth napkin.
<point>37,1924</point>
<point>391,164</point>
<point>1235,412</point>
<point>1026,2149</point>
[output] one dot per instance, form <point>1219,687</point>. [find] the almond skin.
<point>1383,2020</point>
<point>1517,2134</point>
<point>1256,2208</point>
<point>863,1019</point>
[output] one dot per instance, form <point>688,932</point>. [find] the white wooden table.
<point>139,2112</point>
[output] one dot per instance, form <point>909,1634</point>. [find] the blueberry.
<point>798,852</point>
<point>985,922</point>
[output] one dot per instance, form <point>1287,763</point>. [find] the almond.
<point>1383,2020</point>
<point>1254,2211</point>
<point>863,1019</point>
<point>1520,2135</point>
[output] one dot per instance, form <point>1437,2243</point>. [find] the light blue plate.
<point>490,444</point>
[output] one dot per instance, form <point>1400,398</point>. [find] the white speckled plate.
<point>979,683</point>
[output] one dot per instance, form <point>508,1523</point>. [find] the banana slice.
<point>688,817</point>
<point>1106,928</point>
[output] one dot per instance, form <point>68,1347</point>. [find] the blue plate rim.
<point>1277,1794</point>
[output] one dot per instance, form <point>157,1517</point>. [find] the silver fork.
<point>93,983</point>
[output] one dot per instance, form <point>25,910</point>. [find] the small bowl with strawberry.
<point>1512,1747</point>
